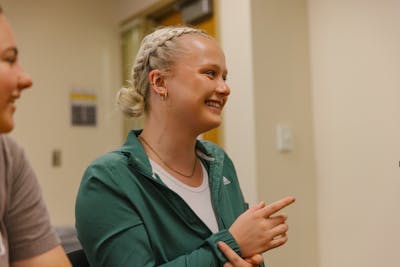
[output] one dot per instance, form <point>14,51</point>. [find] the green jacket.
<point>126,216</point>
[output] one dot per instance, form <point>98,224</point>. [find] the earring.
<point>164,95</point>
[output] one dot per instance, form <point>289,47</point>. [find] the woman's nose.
<point>24,81</point>
<point>223,88</point>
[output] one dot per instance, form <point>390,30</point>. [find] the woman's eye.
<point>10,56</point>
<point>211,73</point>
<point>11,60</point>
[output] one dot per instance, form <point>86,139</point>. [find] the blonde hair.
<point>157,51</point>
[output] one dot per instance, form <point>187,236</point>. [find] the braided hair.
<point>157,51</point>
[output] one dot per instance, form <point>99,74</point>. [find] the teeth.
<point>214,104</point>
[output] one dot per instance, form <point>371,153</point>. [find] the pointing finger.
<point>277,206</point>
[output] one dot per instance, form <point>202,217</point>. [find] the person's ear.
<point>157,83</point>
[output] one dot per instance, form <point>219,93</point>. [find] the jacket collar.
<point>133,149</point>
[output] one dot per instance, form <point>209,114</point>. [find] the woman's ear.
<point>157,82</point>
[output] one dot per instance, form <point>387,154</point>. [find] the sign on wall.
<point>83,108</point>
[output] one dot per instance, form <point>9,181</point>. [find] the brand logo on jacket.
<point>225,180</point>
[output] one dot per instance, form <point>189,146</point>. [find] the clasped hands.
<point>256,231</point>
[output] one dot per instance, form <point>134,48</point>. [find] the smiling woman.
<point>12,78</point>
<point>26,235</point>
<point>165,198</point>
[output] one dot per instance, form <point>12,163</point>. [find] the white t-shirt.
<point>198,198</point>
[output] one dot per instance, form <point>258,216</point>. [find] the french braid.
<point>156,51</point>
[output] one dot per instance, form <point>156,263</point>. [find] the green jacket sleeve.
<point>124,242</point>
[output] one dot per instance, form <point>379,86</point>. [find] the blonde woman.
<point>165,198</point>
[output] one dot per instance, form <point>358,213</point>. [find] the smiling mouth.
<point>214,104</point>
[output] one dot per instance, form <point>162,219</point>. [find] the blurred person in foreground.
<point>27,238</point>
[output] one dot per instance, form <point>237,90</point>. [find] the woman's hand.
<point>257,231</point>
<point>234,260</point>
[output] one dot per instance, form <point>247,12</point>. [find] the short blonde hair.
<point>157,51</point>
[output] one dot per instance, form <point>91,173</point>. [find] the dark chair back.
<point>78,258</point>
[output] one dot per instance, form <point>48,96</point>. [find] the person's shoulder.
<point>10,148</point>
<point>110,168</point>
<point>109,159</point>
<point>8,142</point>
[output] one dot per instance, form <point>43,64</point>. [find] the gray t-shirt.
<point>24,221</point>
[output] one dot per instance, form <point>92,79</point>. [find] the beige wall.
<point>65,45</point>
<point>355,63</point>
<point>239,114</point>
<point>125,9</point>
<point>282,97</point>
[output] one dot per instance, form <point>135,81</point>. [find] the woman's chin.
<point>6,125</point>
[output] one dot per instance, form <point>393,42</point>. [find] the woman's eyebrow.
<point>216,66</point>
